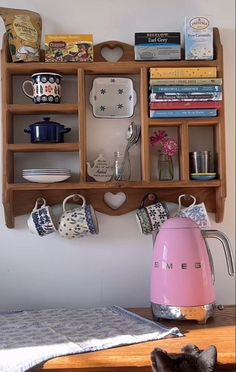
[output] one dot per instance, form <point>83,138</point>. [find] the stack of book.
<point>184,92</point>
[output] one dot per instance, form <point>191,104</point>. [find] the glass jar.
<point>121,167</point>
<point>165,167</point>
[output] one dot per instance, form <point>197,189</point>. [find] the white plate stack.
<point>44,175</point>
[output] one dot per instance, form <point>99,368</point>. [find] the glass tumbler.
<point>200,161</point>
<point>121,167</point>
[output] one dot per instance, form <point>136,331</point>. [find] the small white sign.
<point>102,171</point>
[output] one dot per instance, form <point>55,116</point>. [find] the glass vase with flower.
<point>167,148</point>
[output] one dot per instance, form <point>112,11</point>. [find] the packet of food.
<point>24,29</point>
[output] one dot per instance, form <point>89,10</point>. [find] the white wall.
<point>113,267</point>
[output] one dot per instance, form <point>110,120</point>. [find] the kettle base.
<point>199,313</point>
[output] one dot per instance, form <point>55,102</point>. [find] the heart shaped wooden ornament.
<point>115,201</point>
<point>112,54</point>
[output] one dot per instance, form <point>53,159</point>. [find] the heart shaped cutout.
<point>112,54</point>
<point>115,201</point>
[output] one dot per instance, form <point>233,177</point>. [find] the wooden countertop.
<point>219,331</point>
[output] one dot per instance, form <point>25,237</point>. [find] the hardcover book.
<point>217,81</point>
<point>177,105</point>
<point>182,72</point>
<point>214,96</point>
<point>182,113</point>
<point>186,88</point>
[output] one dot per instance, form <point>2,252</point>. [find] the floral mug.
<point>151,217</point>
<point>46,87</point>
<point>41,220</point>
<point>197,212</point>
<point>79,221</point>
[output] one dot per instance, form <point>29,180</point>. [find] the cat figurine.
<point>191,360</point>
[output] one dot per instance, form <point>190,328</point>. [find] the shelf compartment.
<point>18,123</point>
<point>203,138</point>
<point>172,132</point>
<point>69,92</point>
<point>53,159</point>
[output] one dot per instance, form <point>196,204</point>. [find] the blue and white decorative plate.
<point>112,97</point>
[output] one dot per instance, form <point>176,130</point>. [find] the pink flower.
<point>168,145</point>
<point>158,137</point>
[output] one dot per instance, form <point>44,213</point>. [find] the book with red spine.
<point>178,105</point>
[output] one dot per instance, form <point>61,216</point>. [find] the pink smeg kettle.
<point>182,277</point>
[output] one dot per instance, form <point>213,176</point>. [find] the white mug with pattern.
<point>151,217</point>
<point>79,221</point>
<point>41,220</point>
<point>45,87</point>
<point>197,212</point>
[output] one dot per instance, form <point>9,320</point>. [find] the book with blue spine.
<point>194,96</point>
<point>186,88</point>
<point>182,113</point>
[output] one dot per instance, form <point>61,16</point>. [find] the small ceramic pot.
<point>47,131</point>
<point>77,222</point>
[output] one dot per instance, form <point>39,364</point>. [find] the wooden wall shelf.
<point>19,198</point>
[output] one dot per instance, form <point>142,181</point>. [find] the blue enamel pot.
<point>47,131</point>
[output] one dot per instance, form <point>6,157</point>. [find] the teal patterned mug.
<point>151,217</point>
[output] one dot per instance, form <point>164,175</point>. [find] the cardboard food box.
<point>157,46</point>
<point>199,37</point>
<point>69,48</point>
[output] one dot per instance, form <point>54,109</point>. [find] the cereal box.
<point>198,37</point>
<point>69,48</point>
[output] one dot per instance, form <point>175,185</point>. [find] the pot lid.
<point>46,121</point>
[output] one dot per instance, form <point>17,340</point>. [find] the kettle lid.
<point>179,223</point>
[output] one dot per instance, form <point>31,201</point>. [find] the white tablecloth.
<point>28,338</point>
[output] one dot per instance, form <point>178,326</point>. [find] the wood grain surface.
<point>219,331</point>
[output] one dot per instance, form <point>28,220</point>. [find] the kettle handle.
<point>226,245</point>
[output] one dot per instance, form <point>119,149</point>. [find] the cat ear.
<point>207,359</point>
<point>161,362</point>
<point>191,349</point>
